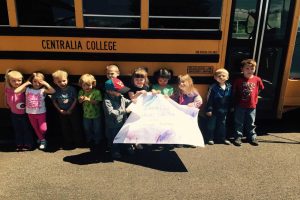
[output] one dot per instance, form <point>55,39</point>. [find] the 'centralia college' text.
<point>79,45</point>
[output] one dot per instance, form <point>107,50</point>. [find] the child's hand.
<point>155,92</point>
<point>166,96</point>
<point>209,114</point>
<point>134,101</point>
<point>81,99</point>
<point>191,105</point>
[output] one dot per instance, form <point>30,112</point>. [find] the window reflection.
<point>46,12</point>
<point>295,70</point>
<point>112,13</point>
<point>3,13</point>
<point>188,14</point>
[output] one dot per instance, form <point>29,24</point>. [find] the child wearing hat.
<point>114,106</point>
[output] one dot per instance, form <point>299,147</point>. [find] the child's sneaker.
<point>210,142</point>
<point>19,148</point>
<point>227,142</point>
<point>238,142</point>
<point>27,148</point>
<point>130,150</point>
<point>43,145</point>
<point>254,142</point>
<point>139,146</point>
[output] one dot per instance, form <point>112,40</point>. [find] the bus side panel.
<point>292,95</point>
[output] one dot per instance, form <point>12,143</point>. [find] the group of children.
<point>27,104</point>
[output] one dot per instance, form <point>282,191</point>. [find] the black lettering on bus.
<point>62,44</point>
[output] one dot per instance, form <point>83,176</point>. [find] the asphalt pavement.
<point>268,171</point>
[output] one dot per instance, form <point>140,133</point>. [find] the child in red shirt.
<point>245,92</point>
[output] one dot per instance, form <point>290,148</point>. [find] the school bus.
<point>195,37</point>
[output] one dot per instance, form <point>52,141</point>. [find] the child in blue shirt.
<point>218,104</point>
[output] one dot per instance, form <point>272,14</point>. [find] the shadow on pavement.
<point>159,159</point>
<point>163,160</point>
<point>283,140</point>
<point>87,158</point>
<point>289,123</point>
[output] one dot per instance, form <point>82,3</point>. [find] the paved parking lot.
<point>269,171</point>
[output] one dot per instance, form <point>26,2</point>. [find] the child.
<point>162,77</point>
<point>140,85</point>
<point>217,107</point>
<point>65,100</point>
<point>245,92</point>
<point>16,104</point>
<point>90,99</point>
<point>112,71</point>
<point>36,89</point>
<point>186,93</point>
<point>114,106</point>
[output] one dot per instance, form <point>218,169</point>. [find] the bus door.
<point>259,29</point>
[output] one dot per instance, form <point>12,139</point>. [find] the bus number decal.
<point>199,69</point>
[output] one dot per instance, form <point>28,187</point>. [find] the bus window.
<point>3,13</point>
<point>45,12</point>
<point>185,15</point>
<point>295,70</point>
<point>112,14</point>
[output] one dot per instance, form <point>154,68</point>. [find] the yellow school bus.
<point>195,37</point>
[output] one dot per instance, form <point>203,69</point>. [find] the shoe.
<point>116,155</point>
<point>210,142</point>
<point>19,148</point>
<point>254,142</point>
<point>179,145</point>
<point>238,142</point>
<point>130,150</point>
<point>227,142</point>
<point>27,148</point>
<point>43,145</point>
<point>139,146</point>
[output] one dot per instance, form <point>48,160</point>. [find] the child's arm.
<point>69,111</point>
<point>22,87</point>
<point>48,88</point>
<point>197,102</point>
<point>110,109</point>
<point>137,94</point>
<point>57,107</point>
<point>209,103</point>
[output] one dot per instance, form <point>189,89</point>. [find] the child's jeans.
<point>244,119</point>
<point>216,127</point>
<point>38,122</point>
<point>92,129</point>
<point>22,129</point>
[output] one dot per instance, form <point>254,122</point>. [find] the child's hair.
<point>221,71</point>
<point>39,75</point>
<point>113,67</point>
<point>163,73</point>
<point>88,79</point>
<point>59,74</point>
<point>248,62</point>
<point>11,74</point>
<point>187,78</point>
<point>140,72</point>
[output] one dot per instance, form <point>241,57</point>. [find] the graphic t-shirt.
<point>168,90</point>
<point>16,102</point>
<point>91,111</point>
<point>246,91</point>
<point>65,97</point>
<point>35,101</point>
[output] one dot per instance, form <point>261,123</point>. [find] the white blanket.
<point>155,119</point>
